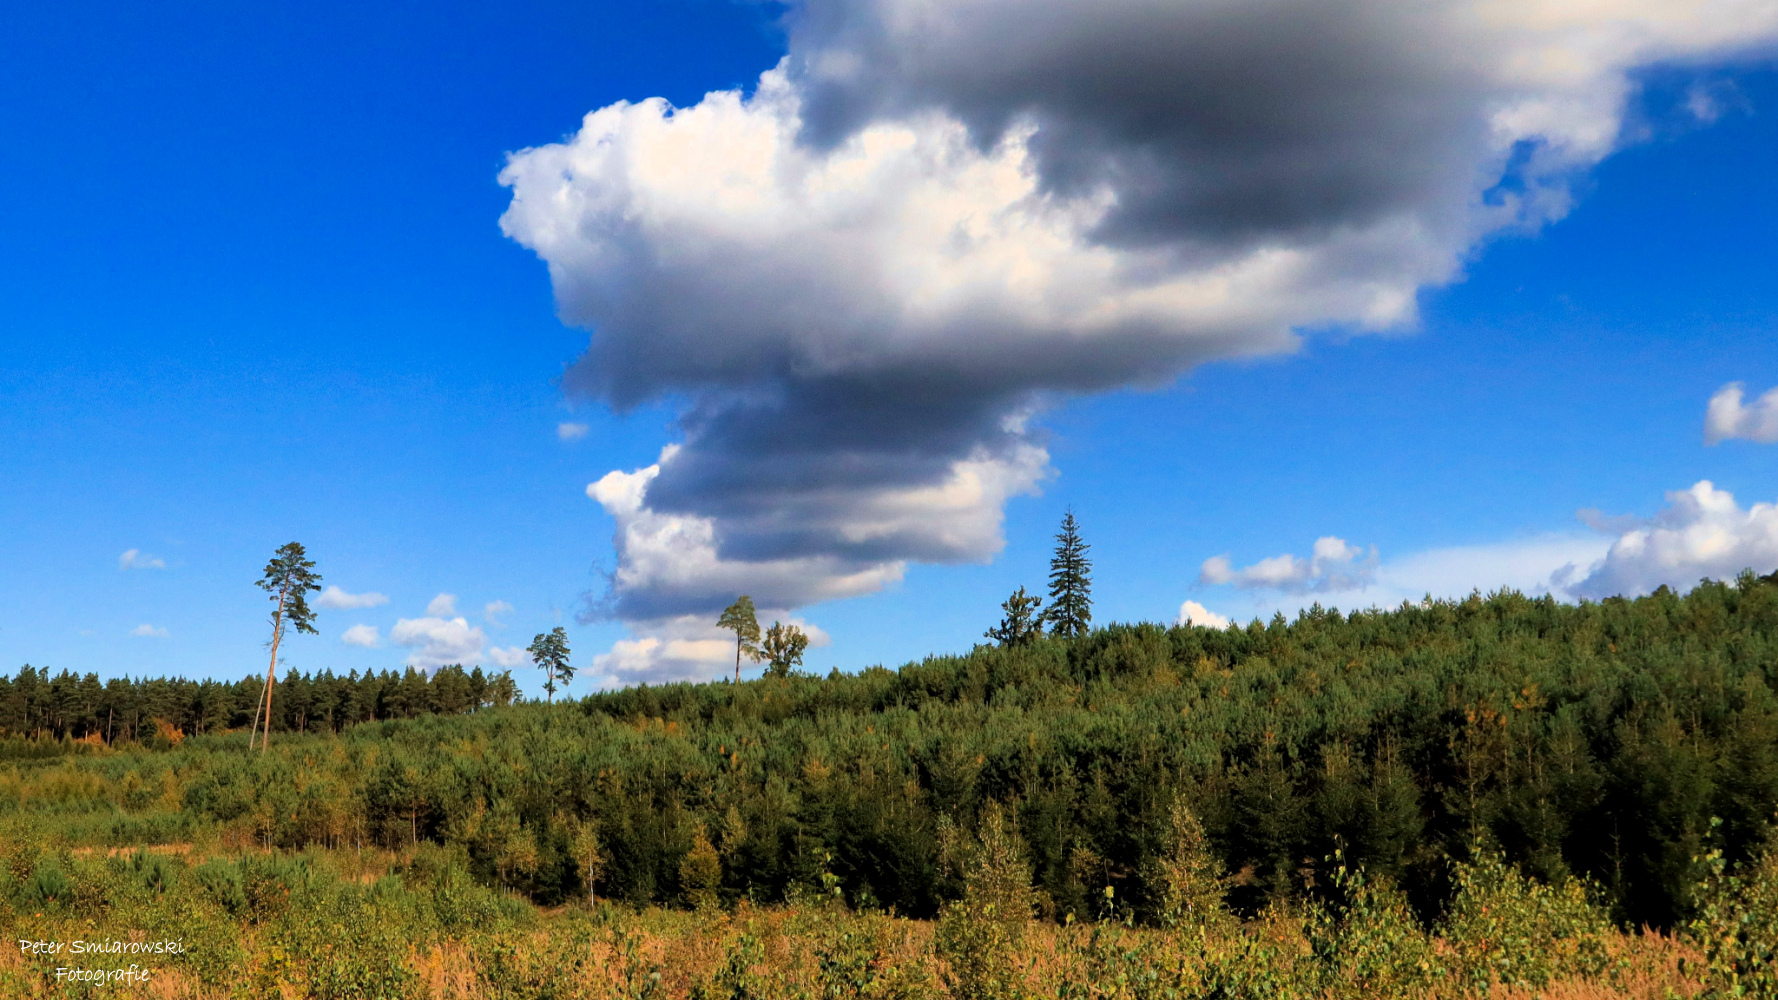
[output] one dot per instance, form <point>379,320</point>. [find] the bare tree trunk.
<point>258,706</point>
<point>271,672</point>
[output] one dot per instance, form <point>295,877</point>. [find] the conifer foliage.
<point>549,650</point>
<point>1070,612</point>
<point>1021,620</point>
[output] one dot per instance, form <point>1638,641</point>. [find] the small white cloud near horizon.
<point>566,431</point>
<point>494,611</point>
<point>364,636</point>
<point>1536,565</point>
<point>1727,418</point>
<point>336,599</point>
<point>438,641</point>
<point>137,559</point>
<point>1193,613</point>
<point>442,606</point>
<point>508,656</point>
<point>1333,565</point>
<point>1702,533</point>
<point>147,631</point>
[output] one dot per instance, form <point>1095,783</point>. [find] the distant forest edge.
<point>37,705</point>
<point>1618,741</point>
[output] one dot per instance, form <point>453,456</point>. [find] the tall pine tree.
<point>550,652</point>
<point>1071,583</point>
<point>288,579</point>
<point>739,617</point>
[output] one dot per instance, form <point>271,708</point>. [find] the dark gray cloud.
<point>1216,123</point>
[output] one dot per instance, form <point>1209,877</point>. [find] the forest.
<point>36,704</point>
<point>1618,758</point>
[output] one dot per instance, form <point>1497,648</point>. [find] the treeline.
<point>37,705</point>
<point>1618,741</point>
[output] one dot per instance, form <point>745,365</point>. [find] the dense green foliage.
<point>37,705</point>
<point>1597,740</point>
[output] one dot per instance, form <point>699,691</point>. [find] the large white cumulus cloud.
<point>1702,533</point>
<point>861,279</point>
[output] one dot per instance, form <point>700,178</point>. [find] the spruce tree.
<point>1071,583</point>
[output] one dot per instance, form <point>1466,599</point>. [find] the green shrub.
<point>1737,926</point>
<point>1185,878</point>
<point>1376,948</point>
<point>980,935</point>
<point>153,872</point>
<point>219,882</point>
<point>856,960</point>
<point>1506,928</point>
<point>48,887</point>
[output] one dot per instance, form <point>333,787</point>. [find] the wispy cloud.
<point>442,605</point>
<point>1536,565</point>
<point>137,559</point>
<point>147,631</point>
<point>1333,565</point>
<point>337,599</point>
<point>494,611</point>
<point>566,431</point>
<point>1701,533</point>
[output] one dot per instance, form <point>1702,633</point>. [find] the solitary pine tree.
<point>740,617</point>
<point>783,648</point>
<point>550,652</point>
<point>288,579</point>
<point>1071,583</point>
<point>1022,621</point>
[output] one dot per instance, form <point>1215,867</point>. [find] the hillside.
<point>1616,741</point>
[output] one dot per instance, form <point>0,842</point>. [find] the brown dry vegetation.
<point>801,952</point>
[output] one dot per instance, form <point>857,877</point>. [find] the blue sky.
<point>256,288</point>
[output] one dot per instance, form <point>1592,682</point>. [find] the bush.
<point>1737,926</point>
<point>220,883</point>
<point>1505,928</point>
<point>979,935</point>
<point>49,887</point>
<point>1376,948</point>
